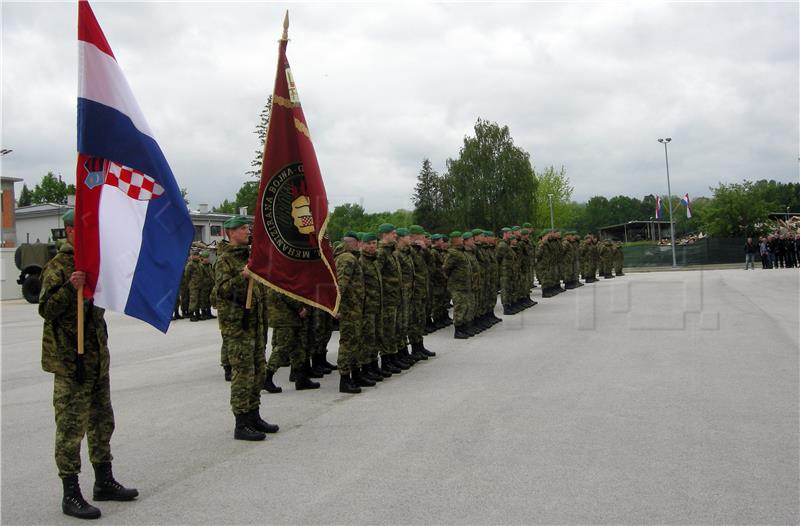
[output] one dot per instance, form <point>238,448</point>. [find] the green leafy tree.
<point>491,183</point>
<point>556,183</point>
<point>25,196</point>
<point>261,131</point>
<point>427,198</point>
<point>51,189</point>
<point>349,216</point>
<point>225,207</point>
<point>737,210</point>
<point>247,196</point>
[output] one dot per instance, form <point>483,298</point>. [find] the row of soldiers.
<point>194,297</point>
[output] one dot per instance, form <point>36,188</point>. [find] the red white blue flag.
<point>132,227</point>
<point>685,201</point>
<point>658,207</point>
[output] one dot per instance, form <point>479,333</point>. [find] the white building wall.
<point>9,290</point>
<point>33,228</point>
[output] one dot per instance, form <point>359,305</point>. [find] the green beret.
<point>426,234</point>
<point>477,232</point>
<point>402,232</point>
<point>350,233</point>
<point>368,236</point>
<point>466,235</point>
<point>488,233</point>
<point>526,231</point>
<point>527,225</point>
<point>416,230</point>
<point>204,254</point>
<point>236,222</point>
<point>455,233</point>
<point>386,228</point>
<point>505,229</point>
<point>69,218</point>
<point>337,244</point>
<point>515,227</point>
<point>436,237</point>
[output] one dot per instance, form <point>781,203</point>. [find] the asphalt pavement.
<point>652,398</point>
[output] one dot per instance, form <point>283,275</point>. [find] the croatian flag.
<point>658,207</point>
<point>685,201</point>
<point>132,227</point>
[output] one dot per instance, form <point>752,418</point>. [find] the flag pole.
<point>80,372</point>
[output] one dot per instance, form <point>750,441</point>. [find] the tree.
<point>349,216</point>
<point>737,210</point>
<point>556,183</point>
<point>185,196</point>
<point>491,183</point>
<point>225,207</point>
<point>25,196</point>
<point>51,189</point>
<point>427,198</point>
<point>261,131</point>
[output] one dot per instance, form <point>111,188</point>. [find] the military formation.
<point>396,285</point>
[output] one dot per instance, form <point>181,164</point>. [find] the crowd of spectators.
<point>776,251</point>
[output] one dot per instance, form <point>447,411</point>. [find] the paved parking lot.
<point>666,397</point>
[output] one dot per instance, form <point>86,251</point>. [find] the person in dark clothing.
<point>764,252</point>
<point>790,249</point>
<point>750,251</point>
<point>772,244</point>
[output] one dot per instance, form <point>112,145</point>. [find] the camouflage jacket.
<point>390,271</point>
<point>420,272</point>
<point>283,310</point>
<point>458,270</point>
<point>58,306</point>
<point>230,285</point>
<point>438,279</point>
<point>407,271</point>
<point>350,277</point>
<point>373,288</point>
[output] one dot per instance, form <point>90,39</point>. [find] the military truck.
<point>30,259</point>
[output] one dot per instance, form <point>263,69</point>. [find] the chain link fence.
<point>708,251</point>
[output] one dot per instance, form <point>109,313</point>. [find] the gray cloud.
<point>589,86</point>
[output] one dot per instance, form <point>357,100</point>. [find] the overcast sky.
<point>588,86</point>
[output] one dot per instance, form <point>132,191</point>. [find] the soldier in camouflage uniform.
<point>81,388</point>
<point>289,320</point>
<point>350,277</point>
<point>531,254</point>
<point>441,297</point>
<point>242,331</point>
<point>458,271</point>
<point>419,297</point>
<point>493,276</point>
<point>371,328</point>
<point>430,263</point>
<point>585,256</point>
<point>391,278</point>
<point>223,351</point>
<point>618,258</point>
<point>191,265</point>
<point>206,283</point>
<point>321,326</point>
<point>526,254</point>
<point>506,260</point>
<point>403,254</point>
<point>549,251</point>
<point>606,258</point>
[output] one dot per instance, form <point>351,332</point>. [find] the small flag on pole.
<point>685,201</point>
<point>291,251</point>
<point>132,227</point>
<point>658,207</point>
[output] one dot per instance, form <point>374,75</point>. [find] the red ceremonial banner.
<point>291,252</point>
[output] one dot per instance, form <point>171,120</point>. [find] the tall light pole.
<point>550,200</point>
<point>669,200</point>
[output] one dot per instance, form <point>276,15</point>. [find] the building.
<point>636,231</point>
<point>8,204</point>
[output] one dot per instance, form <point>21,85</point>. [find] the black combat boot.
<point>260,424</point>
<point>106,488</point>
<point>301,380</point>
<point>405,353</point>
<point>311,372</point>
<point>228,374</point>
<point>460,334</point>
<point>399,362</point>
<point>360,380</point>
<point>269,385</point>
<point>326,363</point>
<point>73,503</point>
<point>317,369</point>
<point>245,430</point>
<point>388,366</point>
<point>427,352</point>
<point>608,276</point>
<point>373,366</point>
<point>369,374</point>
<point>416,352</point>
<point>346,385</point>
<point>176,315</point>
<point>210,316</point>
<point>508,310</point>
<point>194,317</point>
<point>569,285</point>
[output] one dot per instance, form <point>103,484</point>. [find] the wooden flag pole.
<point>80,320</point>
<point>247,304</point>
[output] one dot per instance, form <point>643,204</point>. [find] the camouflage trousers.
<point>82,409</point>
<point>184,295</point>
<point>194,299</point>
<point>370,338</point>
<point>248,371</point>
<point>223,353</point>
<point>462,307</point>
<point>389,329</point>
<point>321,331</point>
<point>416,322</point>
<point>350,343</point>
<point>618,265</point>
<point>287,348</point>
<point>404,314</point>
<point>440,301</point>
